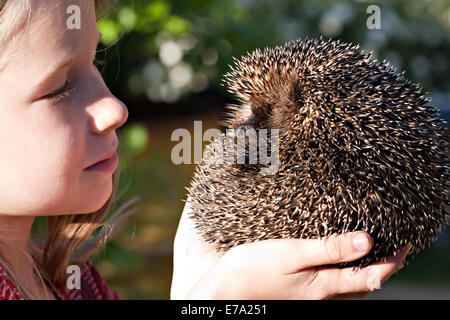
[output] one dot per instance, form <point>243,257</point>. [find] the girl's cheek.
<point>41,167</point>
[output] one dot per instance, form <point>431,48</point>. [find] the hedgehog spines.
<point>359,150</point>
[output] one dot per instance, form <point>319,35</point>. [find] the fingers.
<point>292,255</point>
<point>304,253</point>
<point>391,265</point>
<point>335,281</point>
<point>331,249</point>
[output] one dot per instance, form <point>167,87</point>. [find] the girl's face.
<point>57,117</point>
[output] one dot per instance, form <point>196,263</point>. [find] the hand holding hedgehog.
<point>275,269</point>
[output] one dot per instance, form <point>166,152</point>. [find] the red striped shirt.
<point>93,287</point>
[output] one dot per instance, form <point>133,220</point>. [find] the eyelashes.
<point>66,90</point>
<point>61,93</point>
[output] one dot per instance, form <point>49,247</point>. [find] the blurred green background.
<point>166,60</point>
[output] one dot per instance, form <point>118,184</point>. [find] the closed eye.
<point>61,93</point>
<point>66,89</point>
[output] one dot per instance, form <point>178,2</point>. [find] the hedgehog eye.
<point>245,125</point>
<point>242,129</point>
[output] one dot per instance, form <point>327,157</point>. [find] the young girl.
<point>58,144</point>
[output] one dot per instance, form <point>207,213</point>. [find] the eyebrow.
<point>64,63</point>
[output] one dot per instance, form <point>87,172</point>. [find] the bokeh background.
<point>166,60</point>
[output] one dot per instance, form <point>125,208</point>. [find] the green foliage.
<point>109,30</point>
<point>127,18</point>
<point>173,48</point>
<point>135,137</point>
<point>121,258</point>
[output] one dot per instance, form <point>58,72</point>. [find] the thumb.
<point>337,248</point>
<point>296,254</point>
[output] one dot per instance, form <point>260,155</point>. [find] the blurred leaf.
<point>109,30</point>
<point>127,18</point>
<point>157,10</point>
<point>176,25</point>
<point>135,137</point>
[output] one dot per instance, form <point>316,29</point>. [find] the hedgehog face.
<point>359,149</point>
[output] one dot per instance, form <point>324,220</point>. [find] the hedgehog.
<point>359,148</point>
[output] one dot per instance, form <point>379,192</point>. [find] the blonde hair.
<point>71,239</point>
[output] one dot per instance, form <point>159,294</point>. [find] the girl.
<point>58,140</point>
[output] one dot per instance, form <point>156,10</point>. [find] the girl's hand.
<point>275,269</point>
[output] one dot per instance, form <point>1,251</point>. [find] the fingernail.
<point>360,241</point>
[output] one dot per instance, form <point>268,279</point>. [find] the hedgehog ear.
<point>261,113</point>
<point>284,111</point>
<point>235,115</point>
<point>255,114</point>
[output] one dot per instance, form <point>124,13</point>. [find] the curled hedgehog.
<point>359,149</point>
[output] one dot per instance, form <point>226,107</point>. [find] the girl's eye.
<point>66,90</point>
<point>61,93</point>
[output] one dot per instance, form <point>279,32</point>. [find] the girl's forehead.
<point>63,18</point>
<point>54,30</point>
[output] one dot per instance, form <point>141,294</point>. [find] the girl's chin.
<point>89,199</point>
<point>94,201</point>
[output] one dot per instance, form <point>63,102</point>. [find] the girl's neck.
<point>15,234</point>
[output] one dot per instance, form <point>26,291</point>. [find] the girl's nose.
<point>108,113</point>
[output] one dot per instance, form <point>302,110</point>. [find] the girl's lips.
<point>108,165</point>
